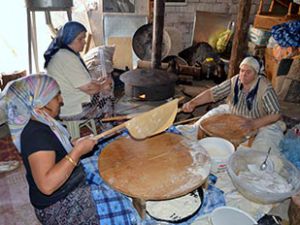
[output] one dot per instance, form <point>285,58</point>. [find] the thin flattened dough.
<point>154,121</point>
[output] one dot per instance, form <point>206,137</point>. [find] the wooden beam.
<point>240,36</point>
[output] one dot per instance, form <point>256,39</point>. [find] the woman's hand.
<point>97,86</point>
<point>106,84</point>
<point>188,107</point>
<point>84,145</point>
<point>248,125</point>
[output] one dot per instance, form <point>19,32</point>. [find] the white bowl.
<point>231,216</point>
<point>219,150</point>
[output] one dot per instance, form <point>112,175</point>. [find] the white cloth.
<point>65,67</point>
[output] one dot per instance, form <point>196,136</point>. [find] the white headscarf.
<point>252,62</point>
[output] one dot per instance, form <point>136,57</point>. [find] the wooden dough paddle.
<point>149,123</point>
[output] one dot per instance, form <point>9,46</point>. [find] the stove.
<point>152,84</point>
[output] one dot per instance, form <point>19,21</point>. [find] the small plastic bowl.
<point>230,216</point>
<point>240,161</point>
<point>219,150</point>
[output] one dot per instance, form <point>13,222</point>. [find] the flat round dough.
<point>176,209</point>
<point>227,126</point>
<point>154,121</point>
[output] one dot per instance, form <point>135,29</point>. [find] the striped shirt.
<point>265,102</point>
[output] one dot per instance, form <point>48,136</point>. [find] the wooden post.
<point>260,8</point>
<point>140,206</point>
<point>240,36</point>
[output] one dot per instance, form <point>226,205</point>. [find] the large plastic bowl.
<point>240,161</point>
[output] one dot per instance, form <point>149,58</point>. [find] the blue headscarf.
<point>64,37</point>
<point>287,34</point>
<point>22,97</point>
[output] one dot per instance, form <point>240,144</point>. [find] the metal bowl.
<point>142,42</point>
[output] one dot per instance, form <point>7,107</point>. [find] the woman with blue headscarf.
<point>56,179</point>
<point>84,97</point>
<point>249,94</point>
<point>286,50</point>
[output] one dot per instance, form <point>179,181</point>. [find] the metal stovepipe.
<point>157,35</point>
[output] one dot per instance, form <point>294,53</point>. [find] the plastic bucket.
<point>219,150</point>
<point>231,216</point>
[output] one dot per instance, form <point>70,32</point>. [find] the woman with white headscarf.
<point>84,97</point>
<point>56,179</point>
<point>250,95</point>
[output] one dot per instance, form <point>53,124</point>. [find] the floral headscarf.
<point>22,97</point>
<point>64,37</point>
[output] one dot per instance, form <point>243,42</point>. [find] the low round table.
<point>157,168</point>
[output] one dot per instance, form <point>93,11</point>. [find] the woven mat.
<point>15,207</point>
<point>8,150</point>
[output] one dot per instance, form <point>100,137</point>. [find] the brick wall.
<point>182,17</point>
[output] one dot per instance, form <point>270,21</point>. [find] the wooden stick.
<point>117,118</point>
<point>117,128</point>
<point>110,131</point>
<point>130,116</point>
<point>125,117</point>
<point>187,120</point>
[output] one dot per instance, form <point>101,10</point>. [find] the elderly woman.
<point>56,179</point>
<point>84,97</point>
<point>250,95</point>
<point>286,50</point>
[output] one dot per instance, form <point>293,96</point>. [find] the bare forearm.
<point>266,120</point>
<point>59,173</point>
<point>202,98</point>
<point>96,86</point>
<point>50,175</point>
<point>91,88</point>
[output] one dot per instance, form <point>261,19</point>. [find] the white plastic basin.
<point>231,216</point>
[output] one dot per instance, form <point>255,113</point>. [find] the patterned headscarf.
<point>287,34</point>
<point>22,97</point>
<point>64,37</point>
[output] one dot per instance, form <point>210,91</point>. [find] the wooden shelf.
<point>267,20</point>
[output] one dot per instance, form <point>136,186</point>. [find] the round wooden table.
<point>157,168</point>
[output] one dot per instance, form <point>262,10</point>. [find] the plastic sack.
<point>93,62</point>
<point>290,145</point>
